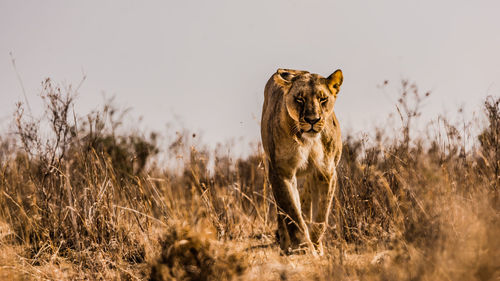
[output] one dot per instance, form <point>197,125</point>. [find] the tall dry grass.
<point>82,197</point>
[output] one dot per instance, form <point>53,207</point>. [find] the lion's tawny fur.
<point>302,142</point>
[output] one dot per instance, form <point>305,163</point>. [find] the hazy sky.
<point>207,61</point>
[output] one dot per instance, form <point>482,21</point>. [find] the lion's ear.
<point>334,81</point>
<point>285,77</point>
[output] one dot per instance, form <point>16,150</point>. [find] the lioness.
<point>301,139</point>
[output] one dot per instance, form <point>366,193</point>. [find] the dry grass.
<point>81,198</point>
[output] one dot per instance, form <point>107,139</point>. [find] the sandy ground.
<point>264,260</point>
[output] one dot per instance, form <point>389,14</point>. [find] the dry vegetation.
<point>81,198</point>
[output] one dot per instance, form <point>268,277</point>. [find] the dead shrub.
<point>194,255</point>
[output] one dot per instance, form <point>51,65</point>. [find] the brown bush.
<point>192,255</point>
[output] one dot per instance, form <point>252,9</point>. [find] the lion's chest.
<point>309,154</point>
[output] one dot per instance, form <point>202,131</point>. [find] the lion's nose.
<point>313,120</point>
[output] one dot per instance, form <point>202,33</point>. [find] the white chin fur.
<point>310,135</point>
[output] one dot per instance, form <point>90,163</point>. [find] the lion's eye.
<point>323,100</point>
<point>299,100</point>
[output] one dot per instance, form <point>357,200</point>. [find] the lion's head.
<point>309,98</point>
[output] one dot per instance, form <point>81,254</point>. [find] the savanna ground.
<point>86,197</point>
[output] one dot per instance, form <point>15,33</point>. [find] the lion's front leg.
<point>292,229</point>
<point>322,198</point>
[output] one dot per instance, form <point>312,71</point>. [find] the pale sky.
<point>207,61</point>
